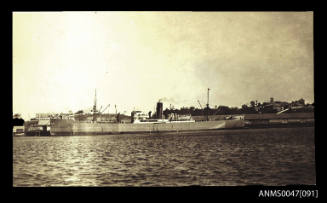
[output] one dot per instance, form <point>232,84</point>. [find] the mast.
<point>208,105</point>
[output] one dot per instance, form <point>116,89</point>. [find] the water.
<point>278,156</point>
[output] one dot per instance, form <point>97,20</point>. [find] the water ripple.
<point>221,158</point>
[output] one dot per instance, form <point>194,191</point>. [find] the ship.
<point>141,123</point>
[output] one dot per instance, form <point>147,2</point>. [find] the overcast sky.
<point>133,59</point>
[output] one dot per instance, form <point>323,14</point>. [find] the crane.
<point>105,108</point>
<point>100,112</point>
<point>200,104</point>
<point>201,108</point>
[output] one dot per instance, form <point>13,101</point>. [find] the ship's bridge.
<point>139,115</point>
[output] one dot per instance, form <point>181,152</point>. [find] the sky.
<point>135,59</point>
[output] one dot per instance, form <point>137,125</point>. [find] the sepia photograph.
<point>163,99</point>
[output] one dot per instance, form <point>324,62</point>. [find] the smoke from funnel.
<point>168,100</point>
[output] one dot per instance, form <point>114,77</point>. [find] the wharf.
<point>268,120</point>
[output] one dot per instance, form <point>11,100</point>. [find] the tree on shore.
<point>254,107</point>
